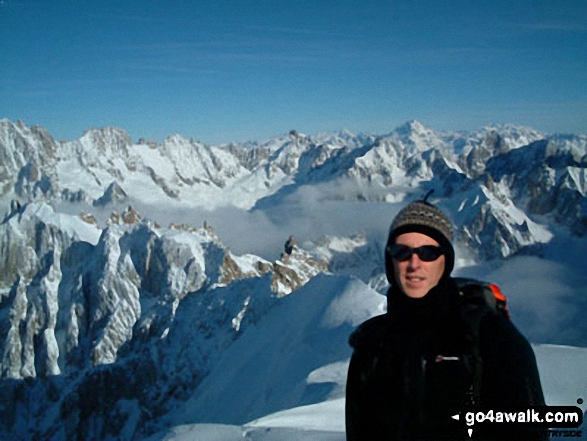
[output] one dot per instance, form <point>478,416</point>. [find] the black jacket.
<point>413,368</point>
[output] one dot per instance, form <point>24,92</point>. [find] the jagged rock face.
<point>35,166</point>
<point>101,321</point>
<point>381,162</point>
<point>294,269</point>
<point>91,296</point>
<point>474,162</point>
<point>356,255</point>
<point>549,178</point>
<point>196,163</point>
<point>108,140</point>
<point>492,226</point>
<point>487,228</point>
<point>27,158</point>
<point>114,193</point>
<point>125,399</point>
<point>68,303</point>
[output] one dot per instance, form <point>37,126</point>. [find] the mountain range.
<point>122,315</point>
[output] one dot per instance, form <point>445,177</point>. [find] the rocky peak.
<point>294,268</point>
<point>26,155</point>
<point>114,193</point>
<point>129,216</point>
<point>108,140</point>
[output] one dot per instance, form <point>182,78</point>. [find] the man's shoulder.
<point>497,328</point>
<point>370,332</point>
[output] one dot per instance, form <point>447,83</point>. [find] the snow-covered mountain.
<point>123,312</point>
<point>82,305</point>
<point>490,174</point>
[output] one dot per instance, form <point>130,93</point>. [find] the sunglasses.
<point>426,253</point>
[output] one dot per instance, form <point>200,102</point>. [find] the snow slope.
<point>284,379</point>
<point>281,358</point>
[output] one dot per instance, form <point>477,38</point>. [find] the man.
<point>425,360</point>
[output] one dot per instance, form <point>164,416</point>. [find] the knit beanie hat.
<point>422,217</point>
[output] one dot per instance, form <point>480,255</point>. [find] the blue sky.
<point>222,71</point>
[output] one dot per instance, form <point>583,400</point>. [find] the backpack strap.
<point>476,300</point>
<point>476,295</point>
<point>501,304</point>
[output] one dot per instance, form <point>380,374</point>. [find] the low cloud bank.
<point>546,296</point>
<point>309,213</point>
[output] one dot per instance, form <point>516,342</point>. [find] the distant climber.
<point>290,244</point>
<point>14,206</point>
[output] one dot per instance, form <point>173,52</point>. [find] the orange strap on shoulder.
<point>500,299</point>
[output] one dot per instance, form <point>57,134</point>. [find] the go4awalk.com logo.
<point>546,417</point>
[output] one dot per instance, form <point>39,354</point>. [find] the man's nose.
<point>414,261</point>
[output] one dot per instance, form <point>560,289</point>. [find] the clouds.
<point>314,211</point>
<point>310,213</point>
<point>545,295</point>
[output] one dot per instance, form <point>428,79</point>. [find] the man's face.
<point>415,276</point>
